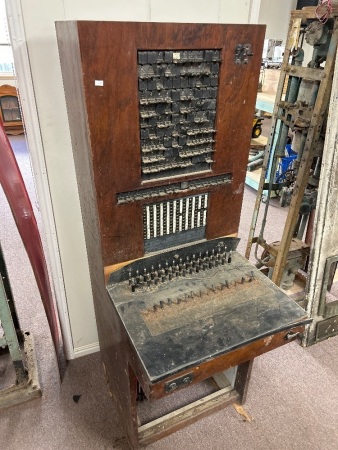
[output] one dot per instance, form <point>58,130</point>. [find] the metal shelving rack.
<point>303,110</point>
<point>26,386</point>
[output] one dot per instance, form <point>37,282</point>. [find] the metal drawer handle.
<point>291,335</point>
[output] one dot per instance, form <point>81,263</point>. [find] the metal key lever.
<point>291,335</point>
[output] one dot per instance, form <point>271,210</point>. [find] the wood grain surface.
<point>108,52</point>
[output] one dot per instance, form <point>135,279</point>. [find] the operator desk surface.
<point>198,316</point>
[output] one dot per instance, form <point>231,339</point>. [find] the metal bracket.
<point>172,385</point>
<point>326,328</point>
<point>29,388</point>
<point>242,53</point>
<point>326,309</point>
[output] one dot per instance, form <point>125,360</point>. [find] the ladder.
<point>303,109</point>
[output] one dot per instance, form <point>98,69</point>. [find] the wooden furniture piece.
<point>160,118</point>
<point>10,112</point>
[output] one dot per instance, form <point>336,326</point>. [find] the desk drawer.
<point>222,362</point>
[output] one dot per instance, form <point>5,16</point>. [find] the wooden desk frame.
<point>124,371</point>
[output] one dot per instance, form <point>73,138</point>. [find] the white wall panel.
<point>235,11</point>
<point>129,10</point>
<point>185,11</point>
<point>47,81</point>
<point>276,15</point>
<point>213,11</point>
<point>9,81</point>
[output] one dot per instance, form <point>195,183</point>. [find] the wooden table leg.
<point>122,385</point>
<point>242,380</point>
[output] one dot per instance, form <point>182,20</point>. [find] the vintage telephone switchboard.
<point>160,117</point>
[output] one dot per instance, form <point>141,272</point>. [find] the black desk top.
<point>202,315</point>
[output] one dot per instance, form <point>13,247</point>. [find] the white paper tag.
<point>98,83</point>
<point>176,56</point>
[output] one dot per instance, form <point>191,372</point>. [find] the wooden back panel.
<point>108,56</point>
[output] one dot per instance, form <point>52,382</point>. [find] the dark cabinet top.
<point>194,316</point>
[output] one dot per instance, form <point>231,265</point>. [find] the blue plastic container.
<point>285,163</point>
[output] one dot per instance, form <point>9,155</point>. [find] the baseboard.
<point>86,349</point>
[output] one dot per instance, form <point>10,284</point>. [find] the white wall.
<point>10,80</point>
<point>5,78</point>
<point>46,76</point>
<point>276,15</point>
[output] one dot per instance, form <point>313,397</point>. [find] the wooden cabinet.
<point>161,118</point>
<point>10,110</point>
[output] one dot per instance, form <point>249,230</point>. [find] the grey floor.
<point>293,395</point>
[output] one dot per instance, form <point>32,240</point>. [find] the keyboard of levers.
<point>190,283</point>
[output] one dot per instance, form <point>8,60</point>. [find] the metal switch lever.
<point>291,335</point>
